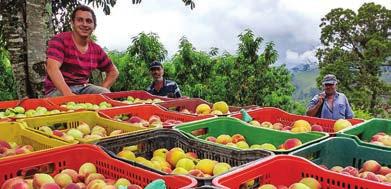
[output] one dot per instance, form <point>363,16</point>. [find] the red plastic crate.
<point>73,156</point>
<point>192,103</point>
<point>274,115</point>
<point>30,103</point>
<point>145,111</point>
<point>286,170</point>
<point>135,94</point>
<point>85,98</point>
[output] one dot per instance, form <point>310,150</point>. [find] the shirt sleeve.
<point>312,102</point>
<point>104,62</point>
<point>55,49</point>
<point>348,112</point>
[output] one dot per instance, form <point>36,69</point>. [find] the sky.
<point>293,25</point>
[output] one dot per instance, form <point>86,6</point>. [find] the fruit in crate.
<point>84,178</point>
<point>304,183</point>
<point>20,112</point>
<point>381,139</point>
<point>370,170</point>
<point>203,109</point>
<point>11,148</point>
<point>177,161</point>
<point>221,106</point>
<point>341,124</point>
<point>132,100</point>
<point>299,126</point>
<point>153,121</point>
<point>239,141</point>
<point>82,132</point>
<point>86,106</point>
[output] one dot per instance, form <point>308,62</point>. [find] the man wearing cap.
<point>330,104</point>
<point>161,86</point>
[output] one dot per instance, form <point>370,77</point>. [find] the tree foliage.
<point>7,81</point>
<point>245,78</point>
<point>355,48</point>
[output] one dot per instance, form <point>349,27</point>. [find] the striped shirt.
<point>169,89</point>
<point>76,67</point>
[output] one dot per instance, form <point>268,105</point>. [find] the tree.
<point>134,64</point>
<point>354,48</point>
<point>27,25</point>
<point>255,80</point>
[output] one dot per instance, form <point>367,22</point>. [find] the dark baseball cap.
<point>155,64</point>
<point>329,79</point>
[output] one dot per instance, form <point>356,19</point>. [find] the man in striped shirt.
<point>72,56</point>
<point>161,86</point>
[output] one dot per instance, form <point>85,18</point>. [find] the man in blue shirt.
<point>330,104</point>
<point>161,86</point>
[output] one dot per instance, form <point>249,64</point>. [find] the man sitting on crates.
<point>161,86</point>
<point>72,56</point>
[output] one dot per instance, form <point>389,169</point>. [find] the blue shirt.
<point>340,110</point>
<point>169,89</point>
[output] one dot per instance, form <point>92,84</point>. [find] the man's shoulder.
<point>63,36</point>
<point>341,95</point>
<point>170,82</point>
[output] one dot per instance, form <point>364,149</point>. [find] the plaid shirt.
<point>75,66</point>
<point>169,89</point>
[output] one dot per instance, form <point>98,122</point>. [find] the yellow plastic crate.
<point>14,132</point>
<point>72,120</point>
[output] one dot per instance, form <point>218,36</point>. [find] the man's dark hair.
<point>83,8</point>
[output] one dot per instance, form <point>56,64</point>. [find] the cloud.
<point>292,25</point>
<point>295,58</point>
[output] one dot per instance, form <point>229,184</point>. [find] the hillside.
<point>305,83</point>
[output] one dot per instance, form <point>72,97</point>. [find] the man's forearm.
<point>312,111</point>
<point>110,79</point>
<point>58,81</point>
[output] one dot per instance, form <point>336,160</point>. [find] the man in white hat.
<point>330,104</point>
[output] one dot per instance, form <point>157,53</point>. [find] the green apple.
<point>30,113</point>
<point>19,110</point>
<point>41,109</point>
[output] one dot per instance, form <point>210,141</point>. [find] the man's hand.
<point>69,94</point>
<point>321,97</point>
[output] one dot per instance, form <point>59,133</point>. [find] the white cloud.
<point>293,58</point>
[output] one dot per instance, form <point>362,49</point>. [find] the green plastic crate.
<point>363,132</point>
<point>339,151</point>
<point>254,135</point>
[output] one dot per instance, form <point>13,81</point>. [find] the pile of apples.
<point>381,139</point>
<point>238,141</point>
<point>177,161</point>
<point>132,100</point>
<point>301,126</point>
<point>11,148</point>
<point>304,183</point>
<point>20,112</point>
<point>218,108</point>
<point>370,170</point>
<point>86,178</point>
<point>86,106</point>
<point>83,131</point>
<point>153,121</point>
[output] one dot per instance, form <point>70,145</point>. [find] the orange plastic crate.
<point>85,98</point>
<point>29,103</point>
<point>145,111</point>
<point>192,103</point>
<point>73,156</point>
<point>143,95</point>
<point>274,115</point>
<point>286,170</point>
